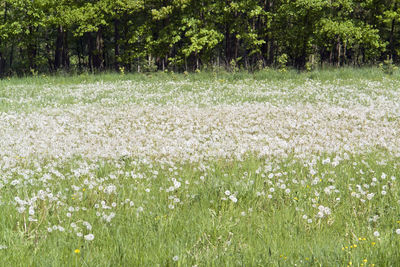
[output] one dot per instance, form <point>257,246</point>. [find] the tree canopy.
<point>145,35</point>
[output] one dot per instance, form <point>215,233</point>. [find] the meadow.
<point>207,169</point>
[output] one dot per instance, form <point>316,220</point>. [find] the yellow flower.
<point>350,263</point>
<point>84,189</point>
<point>77,251</point>
<point>365,260</point>
<point>354,245</point>
<point>373,243</point>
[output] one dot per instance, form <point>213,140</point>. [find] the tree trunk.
<point>339,49</point>
<point>2,57</point>
<point>50,61</point>
<point>11,55</point>
<point>228,55</point>
<point>2,65</point>
<point>32,49</point>
<point>79,51</point>
<point>116,44</point>
<point>65,51</point>
<point>391,38</point>
<point>98,60</point>
<point>59,48</point>
<point>236,48</point>
<point>90,52</point>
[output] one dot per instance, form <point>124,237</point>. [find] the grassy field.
<point>208,169</point>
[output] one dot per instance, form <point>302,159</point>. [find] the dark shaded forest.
<point>48,36</point>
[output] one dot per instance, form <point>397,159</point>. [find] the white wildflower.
<point>89,237</point>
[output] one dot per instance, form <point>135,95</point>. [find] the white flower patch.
<point>323,211</point>
<point>110,189</point>
<point>192,133</point>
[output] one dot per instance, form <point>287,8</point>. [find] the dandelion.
<point>89,237</point>
<point>233,198</point>
<point>31,211</point>
<point>88,225</point>
<point>77,251</point>
<point>21,209</point>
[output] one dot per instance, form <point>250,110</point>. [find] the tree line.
<point>147,35</point>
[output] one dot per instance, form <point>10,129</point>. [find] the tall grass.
<point>267,74</point>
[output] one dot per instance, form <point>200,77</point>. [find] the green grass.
<point>268,74</point>
<point>203,228</point>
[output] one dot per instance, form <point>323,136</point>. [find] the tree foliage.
<point>139,35</point>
